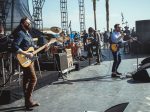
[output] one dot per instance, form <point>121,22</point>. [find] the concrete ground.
<point>91,89</point>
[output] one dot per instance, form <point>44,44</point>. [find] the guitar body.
<point>114,47</point>
<point>23,60</point>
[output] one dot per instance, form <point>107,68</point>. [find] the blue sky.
<point>133,10</point>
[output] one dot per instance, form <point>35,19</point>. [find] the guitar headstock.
<point>133,39</point>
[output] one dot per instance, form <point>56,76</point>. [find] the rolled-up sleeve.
<point>115,38</point>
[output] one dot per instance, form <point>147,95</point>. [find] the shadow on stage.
<point>132,81</point>
<point>104,78</point>
<point>15,109</point>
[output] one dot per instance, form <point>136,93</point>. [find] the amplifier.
<point>61,61</point>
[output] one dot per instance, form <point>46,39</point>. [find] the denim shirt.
<point>23,41</point>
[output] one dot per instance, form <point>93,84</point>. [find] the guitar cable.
<point>2,85</point>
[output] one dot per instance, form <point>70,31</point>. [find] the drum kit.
<point>61,39</point>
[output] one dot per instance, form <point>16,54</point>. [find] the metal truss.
<point>81,15</point>
<point>64,15</point>
<point>37,13</point>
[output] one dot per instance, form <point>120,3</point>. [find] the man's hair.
<point>23,20</point>
<point>90,29</point>
<point>115,26</point>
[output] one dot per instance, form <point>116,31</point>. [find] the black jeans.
<point>117,61</point>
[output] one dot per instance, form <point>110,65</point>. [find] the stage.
<point>12,91</point>
<point>91,89</point>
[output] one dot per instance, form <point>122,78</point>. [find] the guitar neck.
<point>41,48</point>
<point>38,50</point>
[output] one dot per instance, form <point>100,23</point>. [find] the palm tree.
<point>94,9</point>
<point>98,49</point>
<point>107,14</point>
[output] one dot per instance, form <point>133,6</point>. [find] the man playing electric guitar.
<point>22,42</point>
<point>116,40</point>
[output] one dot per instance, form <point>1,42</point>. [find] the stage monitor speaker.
<point>145,61</point>
<point>142,75</point>
<point>61,59</point>
<point>118,108</point>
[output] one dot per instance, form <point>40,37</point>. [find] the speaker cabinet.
<point>61,61</point>
<point>145,61</point>
<point>142,75</point>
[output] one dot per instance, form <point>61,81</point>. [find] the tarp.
<point>21,9</point>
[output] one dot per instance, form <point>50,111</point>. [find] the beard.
<point>27,27</point>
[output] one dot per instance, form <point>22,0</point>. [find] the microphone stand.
<point>137,51</point>
<point>137,59</point>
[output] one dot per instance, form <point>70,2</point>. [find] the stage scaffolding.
<point>81,15</point>
<point>64,15</point>
<point>37,13</point>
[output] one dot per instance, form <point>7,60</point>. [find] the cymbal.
<point>56,29</point>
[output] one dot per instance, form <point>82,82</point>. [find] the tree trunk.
<point>107,14</point>
<point>94,9</point>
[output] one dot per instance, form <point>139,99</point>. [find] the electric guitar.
<point>26,61</point>
<point>115,47</point>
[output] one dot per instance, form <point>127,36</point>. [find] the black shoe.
<point>114,75</point>
<point>32,104</point>
<point>97,63</point>
<point>119,73</point>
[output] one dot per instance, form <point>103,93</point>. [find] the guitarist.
<point>116,39</point>
<point>22,41</point>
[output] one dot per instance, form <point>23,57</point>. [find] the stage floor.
<point>91,89</point>
<point>13,91</point>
